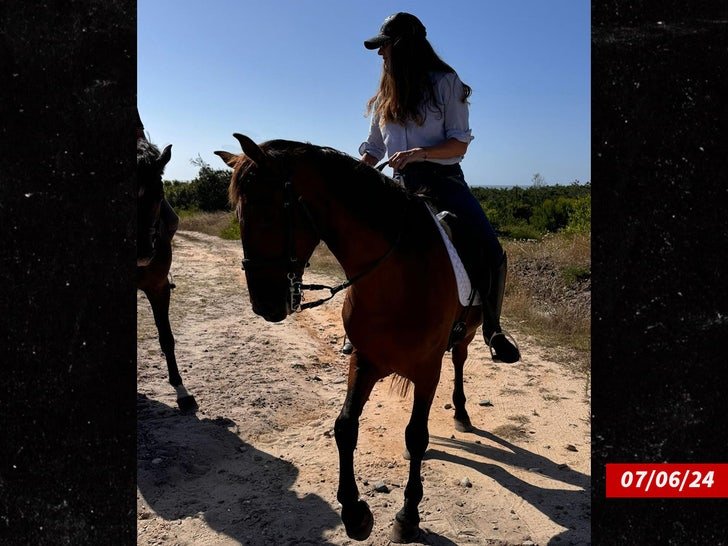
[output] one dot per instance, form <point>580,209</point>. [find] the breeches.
<point>445,186</point>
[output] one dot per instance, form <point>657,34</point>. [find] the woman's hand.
<point>400,159</point>
<point>369,159</point>
<point>444,150</point>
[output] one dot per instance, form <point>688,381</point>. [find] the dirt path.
<point>257,465</point>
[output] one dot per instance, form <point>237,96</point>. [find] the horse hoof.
<point>403,533</point>
<point>358,520</point>
<point>407,457</point>
<point>187,404</point>
<point>464,425</point>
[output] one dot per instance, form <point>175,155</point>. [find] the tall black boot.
<point>501,348</point>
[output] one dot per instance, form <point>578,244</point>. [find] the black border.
<point>660,238</point>
<point>67,294</point>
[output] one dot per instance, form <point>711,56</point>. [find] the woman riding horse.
<point>289,196</point>
<point>420,120</point>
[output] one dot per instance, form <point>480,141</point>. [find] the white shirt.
<point>451,121</point>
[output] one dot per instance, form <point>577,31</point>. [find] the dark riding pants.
<point>445,185</point>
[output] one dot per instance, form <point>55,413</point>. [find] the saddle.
<point>444,220</point>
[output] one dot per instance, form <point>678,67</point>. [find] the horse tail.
<point>400,385</point>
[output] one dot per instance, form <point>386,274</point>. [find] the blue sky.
<point>298,70</point>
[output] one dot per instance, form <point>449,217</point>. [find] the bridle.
<point>291,264</point>
<point>154,233</point>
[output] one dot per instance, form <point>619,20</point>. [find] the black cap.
<point>399,25</point>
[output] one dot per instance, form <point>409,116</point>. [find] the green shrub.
<point>520,231</point>
<point>211,187</point>
<point>529,212</point>
<point>180,195</point>
<point>580,218</point>
<point>553,214</point>
<point>232,231</point>
<point>575,273</point>
<point>207,192</point>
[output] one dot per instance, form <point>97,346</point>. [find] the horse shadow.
<point>559,505</point>
<point>188,467</point>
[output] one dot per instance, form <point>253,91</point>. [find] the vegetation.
<point>207,192</point>
<point>544,229</point>
<point>515,213</point>
<point>532,212</point>
<point>548,293</point>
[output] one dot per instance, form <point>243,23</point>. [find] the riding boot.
<point>491,294</point>
<point>170,219</point>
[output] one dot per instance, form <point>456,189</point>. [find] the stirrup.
<point>506,335</point>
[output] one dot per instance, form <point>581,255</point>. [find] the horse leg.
<point>159,301</point>
<point>355,513</point>
<point>407,521</point>
<point>459,356</point>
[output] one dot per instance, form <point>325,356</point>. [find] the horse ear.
<point>227,157</point>
<point>252,150</point>
<point>164,157</point>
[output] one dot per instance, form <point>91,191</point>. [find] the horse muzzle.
<point>145,261</point>
<point>268,301</point>
<point>270,314</point>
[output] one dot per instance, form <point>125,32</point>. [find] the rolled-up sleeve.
<point>456,110</point>
<point>374,144</point>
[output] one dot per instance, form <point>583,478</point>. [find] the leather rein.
<point>291,262</point>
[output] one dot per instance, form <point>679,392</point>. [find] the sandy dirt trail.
<point>257,464</point>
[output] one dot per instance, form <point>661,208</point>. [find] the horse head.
<point>277,235</point>
<point>150,192</point>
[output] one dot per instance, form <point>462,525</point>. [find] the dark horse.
<point>402,299</point>
<point>154,256</point>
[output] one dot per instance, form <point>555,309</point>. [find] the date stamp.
<point>667,480</point>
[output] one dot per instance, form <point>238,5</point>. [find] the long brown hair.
<point>408,85</point>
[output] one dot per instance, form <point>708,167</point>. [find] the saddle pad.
<point>461,276</point>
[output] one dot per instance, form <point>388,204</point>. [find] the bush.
<point>232,231</point>
<point>552,215</point>
<point>529,213</point>
<point>580,218</point>
<point>207,192</point>
<point>180,195</point>
<point>521,231</point>
<point>212,188</point>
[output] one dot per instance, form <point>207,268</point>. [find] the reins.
<point>295,282</point>
<point>347,283</point>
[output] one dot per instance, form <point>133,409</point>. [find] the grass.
<point>511,433</point>
<point>548,291</point>
<point>220,224</point>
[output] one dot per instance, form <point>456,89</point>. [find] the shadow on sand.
<point>566,507</point>
<point>198,468</point>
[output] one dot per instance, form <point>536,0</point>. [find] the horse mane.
<point>367,192</point>
<point>147,153</point>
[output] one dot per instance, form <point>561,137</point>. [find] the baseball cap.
<point>399,25</point>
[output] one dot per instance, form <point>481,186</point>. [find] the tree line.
<point>515,212</point>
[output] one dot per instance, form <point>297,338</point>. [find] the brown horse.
<point>401,303</point>
<point>154,256</point>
